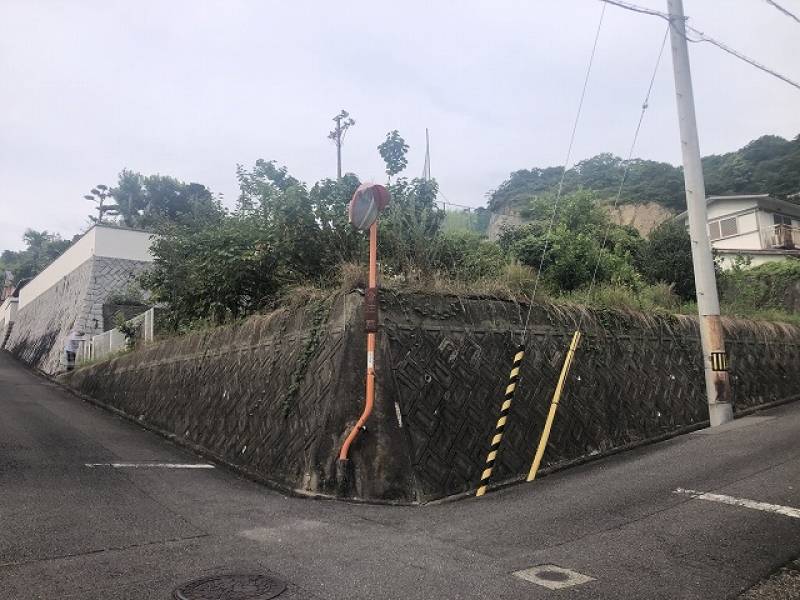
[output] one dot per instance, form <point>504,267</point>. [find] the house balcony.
<point>784,237</point>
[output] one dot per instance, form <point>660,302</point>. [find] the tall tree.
<point>393,151</point>
<point>343,123</point>
<point>147,202</point>
<point>99,195</point>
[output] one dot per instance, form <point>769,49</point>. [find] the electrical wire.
<point>783,10</point>
<point>703,38</point>
<point>725,48</point>
<point>645,105</point>
<point>563,175</point>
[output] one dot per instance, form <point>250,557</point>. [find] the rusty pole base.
<point>343,476</point>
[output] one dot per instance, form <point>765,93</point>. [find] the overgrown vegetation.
<point>284,235</point>
<point>770,291</point>
<point>213,265</point>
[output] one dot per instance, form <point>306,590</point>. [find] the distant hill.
<point>770,164</point>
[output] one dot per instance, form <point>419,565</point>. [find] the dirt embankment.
<point>644,217</point>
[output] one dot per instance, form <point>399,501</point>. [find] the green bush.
<point>771,286</point>
<point>667,257</point>
<point>581,241</point>
<point>466,256</point>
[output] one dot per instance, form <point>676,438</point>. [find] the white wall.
<point>100,240</point>
<point>727,206</point>
<point>74,257</point>
<point>726,260</point>
<point>746,241</point>
<point>113,242</point>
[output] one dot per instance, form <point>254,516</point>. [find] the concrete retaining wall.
<point>446,361</point>
<point>275,395</point>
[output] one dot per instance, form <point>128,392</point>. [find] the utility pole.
<point>426,169</point>
<point>343,123</point>
<point>715,361</point>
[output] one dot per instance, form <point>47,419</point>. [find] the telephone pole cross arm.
<point>715,362</point>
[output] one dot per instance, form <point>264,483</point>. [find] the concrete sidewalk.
<point>134,531</point>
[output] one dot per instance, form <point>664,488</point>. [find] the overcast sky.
<point>192,88</point>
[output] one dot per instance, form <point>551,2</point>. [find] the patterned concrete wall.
<point>634,378</point>
<point>276,394</point>
<point>76,301</point>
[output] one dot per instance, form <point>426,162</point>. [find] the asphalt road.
<point>72,531</point>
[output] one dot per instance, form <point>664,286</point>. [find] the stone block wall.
<point>276,395</point>
<point>76,301</point>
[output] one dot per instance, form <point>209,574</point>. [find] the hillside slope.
<point>769,164</point>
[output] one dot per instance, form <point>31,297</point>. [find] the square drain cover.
<point>553,577</point>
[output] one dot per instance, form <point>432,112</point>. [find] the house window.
<point>728,227</point>
<point>723,228</point>
<point>782,220</point>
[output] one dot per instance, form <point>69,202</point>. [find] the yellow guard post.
<point>548,425</point>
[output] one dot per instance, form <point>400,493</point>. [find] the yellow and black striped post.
<point>501,421</point>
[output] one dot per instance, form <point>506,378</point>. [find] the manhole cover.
<point>231,587</point>
<point>553,575</point>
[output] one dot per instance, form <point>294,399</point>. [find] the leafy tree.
<point>667,257</point>
<point>329,201</point>
<point>99,194</point>
<point>42,248</point>
<point>393,151</point>
<point>147,202</point>
<point>409,226</point>
<point>214,273</point>
<point>285,208</point>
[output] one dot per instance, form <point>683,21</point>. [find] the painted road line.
<point>152,465</point>
<point>786,511</point>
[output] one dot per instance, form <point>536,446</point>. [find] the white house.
<point>757,227</point>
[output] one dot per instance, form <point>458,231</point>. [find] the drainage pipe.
<point>371,317</point>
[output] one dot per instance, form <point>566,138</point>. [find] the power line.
<point>639,9</point>
<point>739,55</point>
<point>645,105</point>
<point>783,10</point>
<point>563,173</point>
<point>702,37</point>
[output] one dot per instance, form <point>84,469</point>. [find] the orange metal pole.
<point>370,388</point>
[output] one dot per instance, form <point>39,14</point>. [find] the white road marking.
<point>152,465</point>
<point>553,577</point>
<point>786,511</point>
